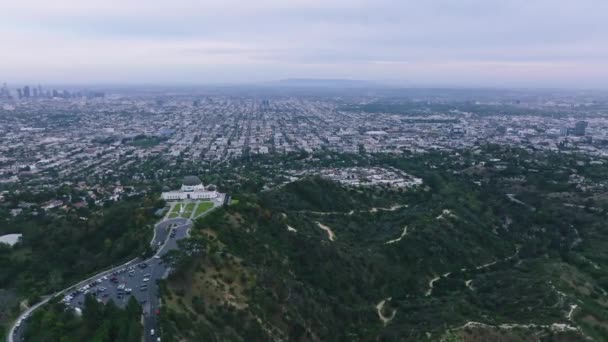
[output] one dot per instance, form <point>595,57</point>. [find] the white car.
<point>152,332</point>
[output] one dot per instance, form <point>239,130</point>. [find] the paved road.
<point>130,274</point>
<point>159,270</point>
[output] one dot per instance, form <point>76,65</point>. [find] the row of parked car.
<point>91,287</point>
<point>86,289</point>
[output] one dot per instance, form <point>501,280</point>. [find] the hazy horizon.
<point>472,43</point>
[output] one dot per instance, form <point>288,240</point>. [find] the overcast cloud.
<point>533,43</point>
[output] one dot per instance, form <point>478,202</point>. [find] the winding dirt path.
<point>558,327</point>
<point>330,233</point>
<point>515,200</point>
<point>392,208</point>
<point>352,212</point>
<point>477,268</point>
<point>399,238</point>
<point>571,312</point>
<point>432,283</point>
<point>380,308</point>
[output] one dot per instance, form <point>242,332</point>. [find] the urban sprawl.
<point>55,135</point>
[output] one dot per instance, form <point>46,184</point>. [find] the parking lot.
<point>118,286</point>
<point>137,278</point>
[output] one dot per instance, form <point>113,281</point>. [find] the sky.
<point>494,43</point>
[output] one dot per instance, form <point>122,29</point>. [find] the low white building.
<point>10,239</point>
<point>193,189</point>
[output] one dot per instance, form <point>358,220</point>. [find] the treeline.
<point>56,250</point>
<point>98,323</point>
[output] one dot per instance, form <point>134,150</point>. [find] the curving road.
<point>130,275</point>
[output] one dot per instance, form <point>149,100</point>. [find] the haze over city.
<point>517,43</point>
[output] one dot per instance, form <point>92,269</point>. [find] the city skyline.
<point>471,44</point>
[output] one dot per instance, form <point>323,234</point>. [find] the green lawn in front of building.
<point>188,209</point>
<point>202,208</point>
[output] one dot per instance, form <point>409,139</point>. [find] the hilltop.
<point>314,260</point>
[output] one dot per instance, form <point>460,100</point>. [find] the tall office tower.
<point>26,91</point>
<point>580,127</point>
<point>19,93</point>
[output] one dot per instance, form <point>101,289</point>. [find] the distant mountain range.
<point>328,83</point>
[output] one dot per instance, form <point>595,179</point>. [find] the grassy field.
<point>175,212</point>
<point>202,208</point>
<point>188,209</point>
<point>234,201</point>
